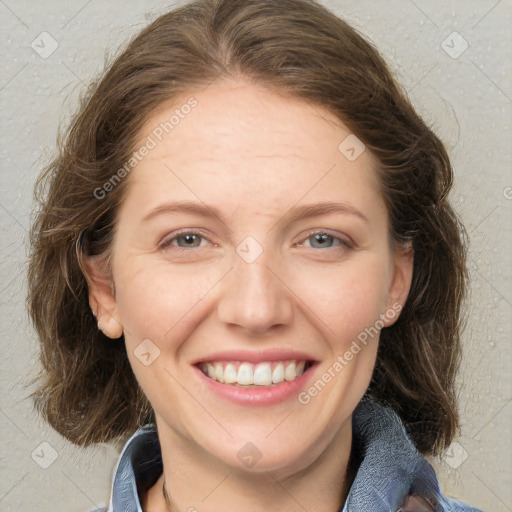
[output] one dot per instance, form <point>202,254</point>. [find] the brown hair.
<point>87,389</point>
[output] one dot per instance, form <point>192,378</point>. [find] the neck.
<point>192,481</point>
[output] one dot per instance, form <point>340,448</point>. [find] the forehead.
<point>244,145</point>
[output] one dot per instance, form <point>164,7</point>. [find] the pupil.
<point>189,239</point>
<point>322,238</point>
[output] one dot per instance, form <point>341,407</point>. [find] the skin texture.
<point>255,156</point>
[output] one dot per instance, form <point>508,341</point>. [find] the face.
<point>250,256</point>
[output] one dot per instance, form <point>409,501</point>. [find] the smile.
<point>244,374</point>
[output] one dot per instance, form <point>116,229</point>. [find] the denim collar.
<point>390,469</point>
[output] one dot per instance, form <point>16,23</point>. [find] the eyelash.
<point>168,241</point>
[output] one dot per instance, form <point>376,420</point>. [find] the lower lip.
<point>257,395</point>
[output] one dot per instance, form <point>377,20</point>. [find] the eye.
<point>192,240</point>
<point>324,240</point>
<point>184,240</point>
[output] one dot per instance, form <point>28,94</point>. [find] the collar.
<point>391,469</point>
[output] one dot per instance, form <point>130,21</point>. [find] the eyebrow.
<point>295,214</point>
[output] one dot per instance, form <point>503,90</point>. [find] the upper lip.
<point>253,356</point>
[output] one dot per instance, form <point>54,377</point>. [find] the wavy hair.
<point>86,388</point>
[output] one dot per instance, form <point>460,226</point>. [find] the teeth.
<point>211,371</point>
<point>219,372</point>
<point>230,374</point>
<point>289,372</point>
<point>278,373</point>
<point>262,374</point>
<point>245,376</point>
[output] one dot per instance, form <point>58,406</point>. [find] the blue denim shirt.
<point>392,475</point>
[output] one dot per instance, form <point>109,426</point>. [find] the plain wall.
<point>466,99</point>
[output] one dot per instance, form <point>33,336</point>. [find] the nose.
<point>255,296</point>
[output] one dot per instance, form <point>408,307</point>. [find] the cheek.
<point>162,304</point>
<point>156,300</point>
<point>344,299</point>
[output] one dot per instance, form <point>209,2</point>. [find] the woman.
<point>245,260</point>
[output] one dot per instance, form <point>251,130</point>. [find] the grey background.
<point>466,99</point>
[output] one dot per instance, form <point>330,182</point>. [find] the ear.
<point>400,284</point>
<point>102,297</point>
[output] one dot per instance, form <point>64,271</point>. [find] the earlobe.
<point>102,298</point>
<point>400,284</point>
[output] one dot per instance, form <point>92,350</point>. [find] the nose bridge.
<point>254,296</point>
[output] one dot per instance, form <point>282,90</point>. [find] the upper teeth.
<point>247,374</point>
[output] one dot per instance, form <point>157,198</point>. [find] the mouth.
<point>245,374</point>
